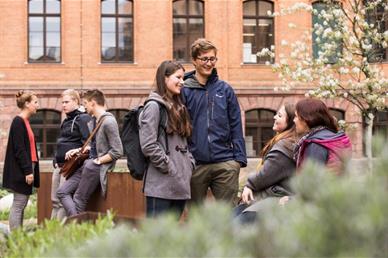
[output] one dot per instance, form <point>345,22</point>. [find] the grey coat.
<point>277,169</point>
<point>107,141</point>
<point>168,175</point>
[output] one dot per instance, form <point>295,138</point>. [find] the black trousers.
<point>157,206</point>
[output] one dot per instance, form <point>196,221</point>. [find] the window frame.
<point>257,17</point>
<point>44,15</point>
<point>44,126</point>
<point>259,126</point>
<point>114,113</point>
<point>333,59</point>
<point>116,16</point>
<point>187,16</point>
<point>378,48</point>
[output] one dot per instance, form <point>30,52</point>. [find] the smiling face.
<point>33,105</point>
<point>280,123</point>
<point>174,82</point>
<point>205,63</point>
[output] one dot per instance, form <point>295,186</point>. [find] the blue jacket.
<point>215,114</point>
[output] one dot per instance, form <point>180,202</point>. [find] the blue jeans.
<point>157,206</point>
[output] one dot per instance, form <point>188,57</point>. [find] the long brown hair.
<point>315,113</point>
<point>178,116</point>
<point>288,132</point>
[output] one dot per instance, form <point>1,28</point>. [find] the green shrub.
<point>331,216</point>
<point>52,234</point>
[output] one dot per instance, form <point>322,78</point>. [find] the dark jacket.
<point>277,169</point>
<point>74,132</point>
<point>313,148</point>
<point>215,114</point>
<point>17,163</point>
<point>168,175</point>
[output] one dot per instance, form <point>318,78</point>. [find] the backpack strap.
<point>162,122</point>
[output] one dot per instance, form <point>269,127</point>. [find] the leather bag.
<point>77,160</point>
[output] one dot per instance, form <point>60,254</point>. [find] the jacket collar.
<point>192,82</point>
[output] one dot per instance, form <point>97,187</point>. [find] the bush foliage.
<point>330,216</point>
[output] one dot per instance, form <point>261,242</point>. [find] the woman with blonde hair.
<point>21,164</point>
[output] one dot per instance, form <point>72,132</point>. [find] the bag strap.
<point>92,134</point>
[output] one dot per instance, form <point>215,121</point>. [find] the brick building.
<point>115,45</point>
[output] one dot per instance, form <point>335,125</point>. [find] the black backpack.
<point>136,162</point>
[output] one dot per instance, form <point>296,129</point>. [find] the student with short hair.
<point>21,164</point>
<point>167,180</point>
<point>105,149</point>
<point>73,134</point>
<point>217,141</point>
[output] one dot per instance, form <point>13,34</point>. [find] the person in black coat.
<point>73,134</point>
<point>21,164</point>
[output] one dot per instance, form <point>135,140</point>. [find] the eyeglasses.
<point>205,59</point>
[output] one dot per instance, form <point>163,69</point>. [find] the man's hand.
<point>70,153</point>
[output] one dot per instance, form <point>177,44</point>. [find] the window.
<point>258,30</point>
<point>119,114</point>
<point>377,17</point>
<point>46,126</point>
<point>116,31</point>
<point>44,31</point>
<point>188,25</point>
<point>258,130</point>
<point>319,43</point>
<point>380,124</point>
<point>337,113</point>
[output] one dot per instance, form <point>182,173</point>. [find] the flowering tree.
<point>340,55</point>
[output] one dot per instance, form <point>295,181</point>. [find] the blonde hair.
<point>73,94</point>
<point>24,96</point>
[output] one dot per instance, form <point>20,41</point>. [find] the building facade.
<point>116,45</point>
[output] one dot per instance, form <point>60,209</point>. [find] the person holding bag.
<point>167,179</point>
<point>105,149</point>
<point>73,134</point>
<point>21,165</point>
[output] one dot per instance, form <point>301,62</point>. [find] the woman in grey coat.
<point>167,182</point>
<point>276,168</point>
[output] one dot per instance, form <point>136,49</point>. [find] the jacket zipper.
<point>208,121</point>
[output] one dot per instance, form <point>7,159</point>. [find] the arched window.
<point>379,18</point>
<point>380,124</point>
<point>44,31</point>
<point>339,114</point>
<point>258,30</point>
<point>46,125</point>
<point>116,31</point>
<point>119,114</point>
<point>318,41</point>
<point>188,25</point>
<point>258,130</point>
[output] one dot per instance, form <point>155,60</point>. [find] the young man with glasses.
<point>217,142</point>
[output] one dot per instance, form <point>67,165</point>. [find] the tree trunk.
<point>368,139</point>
